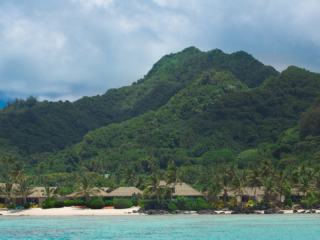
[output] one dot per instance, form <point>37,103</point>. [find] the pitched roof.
<point>37,192</point>
<point>99,193</point>
<point>182,189</point>
<point>124,192</point>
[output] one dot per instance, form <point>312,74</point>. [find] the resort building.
<point>182,190</point>
<point>36,197</point>
<point>123,192</point>
<point>99,192</point>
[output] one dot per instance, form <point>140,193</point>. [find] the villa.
<point>123,192</point>
<point>182,190</point>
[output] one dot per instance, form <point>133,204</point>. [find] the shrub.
<point>288,202</point>
<point>68,203</point>
<point>97,204</point>
<point>172,207</point>
<point>12,205</point>
<point>181,203</point>
<point>2,205</point>
<point>79,202</point>
<point>59,204</point>
<point>122,203</point>
<point>142,205</point>
<point>108,203</point>
<point>135,202</point>
<point>48,204</point>
<point>27,205</point>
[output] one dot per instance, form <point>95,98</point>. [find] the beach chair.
<point>18,207</point>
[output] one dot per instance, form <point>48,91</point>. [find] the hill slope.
<point>33,126</point>
<point>215,118</point>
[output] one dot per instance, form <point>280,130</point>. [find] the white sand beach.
<point>67,211</point>
<point>72,211</point>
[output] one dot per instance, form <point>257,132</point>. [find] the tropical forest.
<point>209,119</point>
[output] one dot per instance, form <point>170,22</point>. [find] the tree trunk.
<point>255,189</point>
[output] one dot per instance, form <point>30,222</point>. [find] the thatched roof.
<point>124,192</point>
<point>106,189</point>
<point>99,193</point>
<point>37,192</point>
<point>247,191</point>
<point>182,189</point>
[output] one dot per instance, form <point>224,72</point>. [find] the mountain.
<point>30,127</point>
<point>215,119</point>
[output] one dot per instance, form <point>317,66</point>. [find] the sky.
<point>66,49</point>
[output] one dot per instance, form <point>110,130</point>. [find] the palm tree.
<point>269,189</point>
<point>254,180</point>
<point>173,176</point>
<point>41,168</point>
<point>7,191</point>
<point>153,184</point>
<point>129,176</point>
<point>139,181</point>
<point>213,191</point>
<point>51,163</point>
<point>23,189</point>
<point>224,183</point>
<point>280,178</point>
<point>304,185</point>
<point>237,186</point>
<point>266,168</point>
<point>84,188</point>
<point>16,172</point>
<point>49,193</point>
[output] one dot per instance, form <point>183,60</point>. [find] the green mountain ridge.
<point>38,127</point>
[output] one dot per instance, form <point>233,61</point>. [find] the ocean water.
<point>291,226</point>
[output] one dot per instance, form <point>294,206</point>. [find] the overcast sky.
<point>66,49</point>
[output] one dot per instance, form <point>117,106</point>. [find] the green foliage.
<point>109,203</point>
<point>181,203</point>
<point>68,203</point>
<point>27,205</point>
<point>122,203</point>
<point>288,202</point>
<point>59,204</point>
<point>172,207</point>
<point>12,205</point>
<point>97,204</point>
<point>79,202</point>
<point>48,204</point>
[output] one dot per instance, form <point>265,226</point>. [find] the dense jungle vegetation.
<point>203,110</point>
<point>37,127</point>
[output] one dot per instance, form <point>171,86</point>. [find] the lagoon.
<point>293,226</point>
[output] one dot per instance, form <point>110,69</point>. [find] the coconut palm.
<point>304,185</point>
<point>84,188</point>
<point>280,178</point>
<point>41,168</point>
<point>7,191</point>
<point>237,186</point>
<point>269,189</point>
<point>254,180</point>
<point>153,185</point>
<point>173,176</point>
<point>24,188</point>
<point>139,181</point>
<point>266,168</point>
<point>213,191</point>
<point>16,172</point>
<point>224,183</point>
<point>49,193</point>
<point>129,176</point>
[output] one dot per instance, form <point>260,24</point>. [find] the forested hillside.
<point>217,119</point>
<point>30,127</point>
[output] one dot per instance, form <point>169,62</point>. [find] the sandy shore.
<point>67,211</point>
<point>72,211</point>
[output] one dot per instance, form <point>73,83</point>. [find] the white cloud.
<point>90,4</point>
<point>68,49</point>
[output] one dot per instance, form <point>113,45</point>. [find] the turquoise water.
<point>291,226</point>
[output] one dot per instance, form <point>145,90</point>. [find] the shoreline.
<point>72,211</point>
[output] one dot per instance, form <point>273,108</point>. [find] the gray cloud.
<point>67,49</point>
